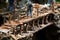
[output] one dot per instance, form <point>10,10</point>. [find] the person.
<point>11,5</point>
<point>29,9</point>
<point>50,1</point>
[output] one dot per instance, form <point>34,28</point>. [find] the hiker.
<point>29,9</point>
<point>11,5</point>
<point>50,1</point>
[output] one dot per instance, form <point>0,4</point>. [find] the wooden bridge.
<point>28,26</point>
<point>25,28</point>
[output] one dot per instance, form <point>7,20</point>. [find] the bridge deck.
<point>21,22</point>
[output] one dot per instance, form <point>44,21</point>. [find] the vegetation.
<point>2,3</point>
<point>58,1</point>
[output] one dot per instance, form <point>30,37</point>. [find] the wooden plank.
<point>27,20</point>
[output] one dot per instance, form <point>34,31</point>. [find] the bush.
<point>58,1</point>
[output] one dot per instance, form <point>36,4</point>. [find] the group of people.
<point>29,6</point>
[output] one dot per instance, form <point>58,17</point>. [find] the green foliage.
<point>2,4</point>
<point>58,1</point>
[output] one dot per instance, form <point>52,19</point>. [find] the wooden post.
<point>14,31</point>
<point>37,7</point>
<point>21,29</point>
<point>10,17</point>
<point>37,12</point>
<point>47,19</point>
<point>28,26</point>
<point>25,28</point>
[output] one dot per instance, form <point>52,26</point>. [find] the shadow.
<point>48,33</point>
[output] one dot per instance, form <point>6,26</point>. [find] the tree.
<point>2,4</point>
